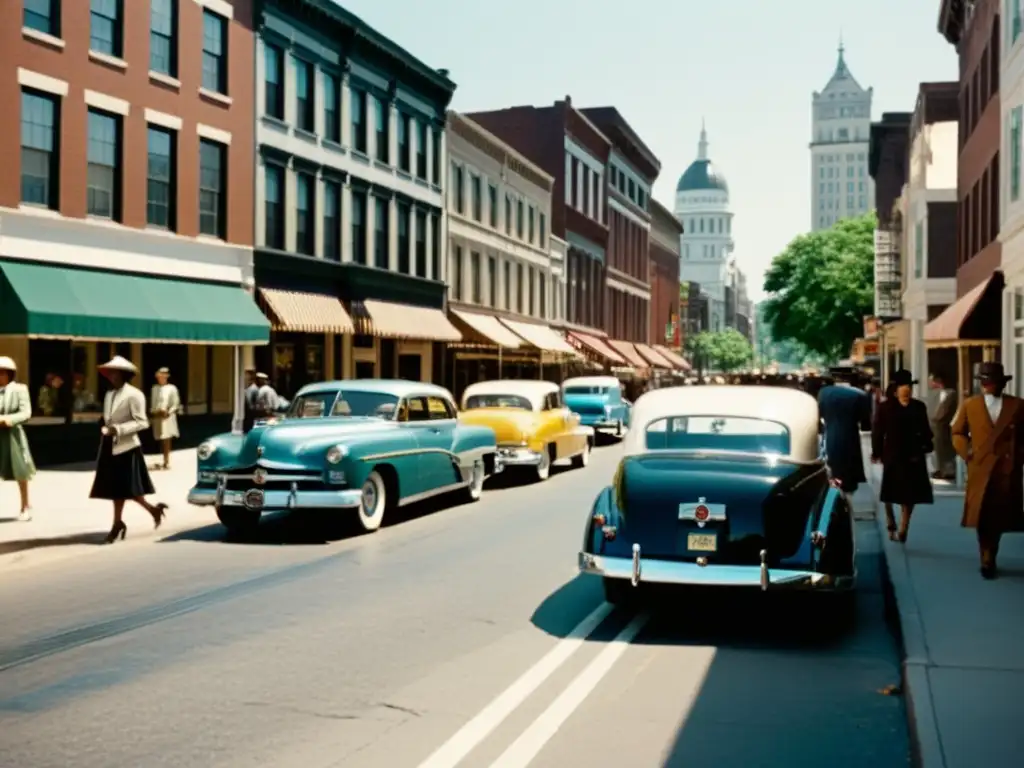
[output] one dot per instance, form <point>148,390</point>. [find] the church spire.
<point>841,70</point>
<point>702,146</point>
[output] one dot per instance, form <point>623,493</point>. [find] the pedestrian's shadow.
<point>24,545</point>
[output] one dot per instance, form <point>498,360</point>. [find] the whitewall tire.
<point>475,489</point>
<point>544,468</point>
<point>584,458</point>
<point>373,502</point>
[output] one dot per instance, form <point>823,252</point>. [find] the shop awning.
<point>653,357</point>
<point>540,336</point>
<point>403,321</point>
<point>629,352</point>
<point>489,328</point>
<point>973,318</point>
<point>43,301</point>
<point>596,346</point>
<point>676,360</point>
<point>302,312</point>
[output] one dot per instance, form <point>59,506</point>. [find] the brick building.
<point>666,230</point>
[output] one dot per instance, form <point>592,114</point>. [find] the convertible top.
<point>795,410</point>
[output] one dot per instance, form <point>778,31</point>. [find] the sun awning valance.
<point>540,336</point>
<point>973,318</point>
<point>628,351</point>
<point>678,361</point>
<point>654,357</point>
<point>403,321</point>
<point>64,302</point>
<point>489,328</point>
<point>595,346</point>
<point>306,312</point>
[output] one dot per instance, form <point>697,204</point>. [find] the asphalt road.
<point>451,637</point>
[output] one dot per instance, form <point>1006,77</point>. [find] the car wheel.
<point>475,489</point>
<point>618,428</point>
<point>584,458</point>
<point>619,591</point>
<point>373,502</point>
<point>544,468</point>
<point>241,523</point>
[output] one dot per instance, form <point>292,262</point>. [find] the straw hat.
<point>118,363</point>
<point>7,364</point>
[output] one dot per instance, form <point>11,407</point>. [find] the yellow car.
<point>533,426</point>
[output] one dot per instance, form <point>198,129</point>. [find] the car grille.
<point>242,480</point>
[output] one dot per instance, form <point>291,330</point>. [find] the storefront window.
<point>366,369</point>
<point>86,403</point>
<point>63,380</point>
<point>284,364</point>
<point>314,362</point>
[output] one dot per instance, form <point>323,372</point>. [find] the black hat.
<point>992,371</point>
<point>903,378</point>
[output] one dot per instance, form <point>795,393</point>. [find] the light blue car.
<point>599,402</point>
<point>360,446</point>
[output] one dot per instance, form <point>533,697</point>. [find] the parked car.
<point>534,428</point>
<point>599,402</point>
<point>722,486</point>
<point>361,446</point>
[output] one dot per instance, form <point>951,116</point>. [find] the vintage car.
<point>722,486</point>
<point>599,402</point>
<point>364,446</point>
<point>533,427</point>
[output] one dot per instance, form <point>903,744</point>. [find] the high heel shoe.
<point>159,513</point>
<point>890,525</point>
<point>117,532</point>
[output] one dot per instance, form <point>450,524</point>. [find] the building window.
<point>160,179</point>
<point>212,193</point>
<point>478,198</point>
<point>359,120</point>
<point>478,283</point>
<point>508,285</point>
<point>403,238</point>
<point>530,225</point>
<point>542,291</point>
<point>42,16</point>
<point>404,147</point>
<point>358,227</point>
<point>492,281</point>
<point>273,81</point>
<point>456,275</point>
<point>919,249</point>
<point>435,245</point>
<point>437,157</point>
<point>542,231</point>
<point>104,166</point>
<point>421,149</point>
<point>105,27</point>
<point>1014,25</point>
<point>40,159</point>
<point>215,44</point>
<point>520,223</point>
<point>458,190</point>
<point>381,118</point>
<point>332,109</point>
<point>508,216</point>
<point>381,227</point>
<point>421,247</point>
<point>305,116</point>
<point>163,43</point>
<point>531,309</point>
<point>273,207</point>
<point>492,204</point>
<point>332,221</point>
<point>519,288</point>
<point>305,214</point>
<point>1015,150</point>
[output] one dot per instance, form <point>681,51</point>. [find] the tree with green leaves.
<point>721,350</point>
<point>822,286</point>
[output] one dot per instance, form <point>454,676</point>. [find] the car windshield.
<point>316,405</point>
<point>570,391</point>
<point>725,433</point>
<point>498,401</point>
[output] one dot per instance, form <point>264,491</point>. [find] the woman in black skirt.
<point>121,472</point>
<point>901,439</point>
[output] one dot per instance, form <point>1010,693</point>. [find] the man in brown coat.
<point>988,433</point>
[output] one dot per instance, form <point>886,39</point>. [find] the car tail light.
<point>599,519</point>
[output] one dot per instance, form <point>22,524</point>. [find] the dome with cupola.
<point>702,175</point>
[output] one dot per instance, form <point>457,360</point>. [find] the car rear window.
<point>498,401</point>
<point>316,405</point>
<point>724,433</point>
<point>587,390</point>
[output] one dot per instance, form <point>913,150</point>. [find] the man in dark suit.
<point>845,411</point>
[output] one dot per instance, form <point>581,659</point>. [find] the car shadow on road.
<point>24,545</point>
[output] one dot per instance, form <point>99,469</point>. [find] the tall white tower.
<point>705,247</point>
<point>840,135</point>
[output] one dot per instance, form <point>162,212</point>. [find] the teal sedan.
<point>361,446</point>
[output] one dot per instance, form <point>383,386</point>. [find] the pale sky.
<point>665,65</point>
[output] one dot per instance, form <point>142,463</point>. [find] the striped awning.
<point>654,357</point>
<point>628,351</point>
<point>301,312</point>
<point>403,321</point>
<point>677,360</point>
<point>596,346</point>
<point>488,327</point>
<point>540,336</point>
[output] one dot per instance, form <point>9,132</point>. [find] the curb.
<point>925,740</point>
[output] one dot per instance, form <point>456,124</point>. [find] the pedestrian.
<point>121,473</point>
<point>15,457</point>
<point>164,405</point>
<point>845,411</point>
<point>941,418</point>
<point>988,434</point>
<point>901,441</point>
<point>251,390</point>
<point>267,400</point>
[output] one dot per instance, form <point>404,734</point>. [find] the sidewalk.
<point>66,522</point>
<point>963,639</point>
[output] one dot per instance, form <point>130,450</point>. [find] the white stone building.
<point>1011,230</point>
<point>840,135</point>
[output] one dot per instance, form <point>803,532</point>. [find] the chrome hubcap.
<point>369,498</point>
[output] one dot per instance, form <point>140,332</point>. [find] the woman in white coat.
<point>15,409</point>
<point>164,407</point>
<point>121,473</point>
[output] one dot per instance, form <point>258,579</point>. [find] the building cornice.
<point>479,137</point>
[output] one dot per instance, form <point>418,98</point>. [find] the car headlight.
<point>205,451</point>
<point>336,453</point>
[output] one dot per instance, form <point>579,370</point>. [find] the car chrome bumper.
<point>640,570</point>
<point>276,500</point>
<point>518,457</point>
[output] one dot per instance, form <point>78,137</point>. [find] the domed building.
<point>706,245</point>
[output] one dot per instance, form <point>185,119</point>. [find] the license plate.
<point>702,542</point>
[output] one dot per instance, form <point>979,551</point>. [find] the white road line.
<point>524,749</point>
<point>453,751</point>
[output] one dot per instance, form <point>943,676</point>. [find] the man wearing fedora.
<point>845,411</point>
<point>988,434</point>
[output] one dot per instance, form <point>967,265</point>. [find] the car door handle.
<point>436,430</point>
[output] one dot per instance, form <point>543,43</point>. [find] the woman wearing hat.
<point>15,409</point>
<point>121,473</point>
<point>165,405</point>
<point>901,440</point>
